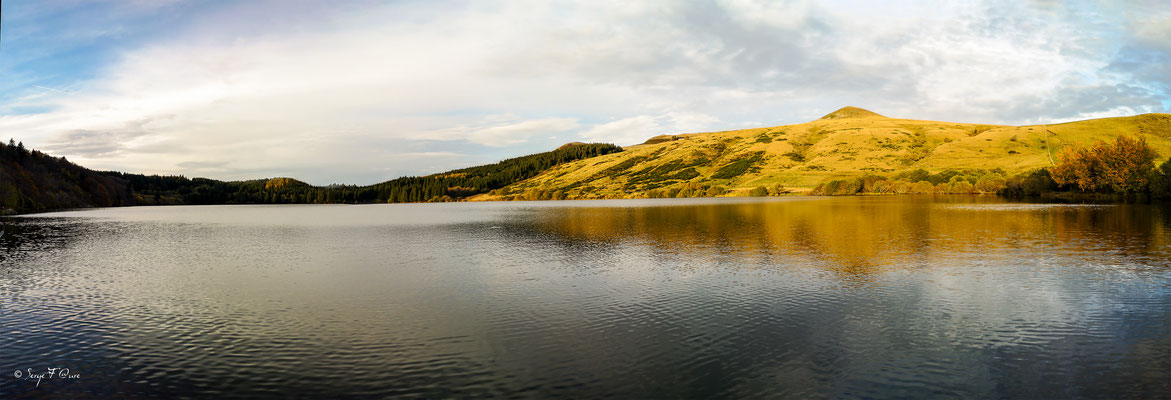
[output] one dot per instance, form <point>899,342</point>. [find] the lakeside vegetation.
<point>1125,167</point>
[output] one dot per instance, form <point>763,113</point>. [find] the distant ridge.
<point>851,112</point>
<point>33,181</point>
<point>662,138</point>
<point>570,144</point>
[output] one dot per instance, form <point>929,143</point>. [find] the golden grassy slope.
<point>845,143</point>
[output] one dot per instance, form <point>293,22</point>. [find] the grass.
<point>851,144</point>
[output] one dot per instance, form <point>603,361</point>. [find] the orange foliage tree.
<point>1122,167</point>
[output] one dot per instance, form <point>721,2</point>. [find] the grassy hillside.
<point>849,142</point>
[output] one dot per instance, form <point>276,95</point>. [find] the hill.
<point>847,143</point>
<point>33,181</point>
<point>446,186</point>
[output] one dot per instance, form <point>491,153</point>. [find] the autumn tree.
<point>1122,167</point>
<point>1160,181</point>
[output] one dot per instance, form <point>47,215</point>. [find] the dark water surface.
<point>876,297</point>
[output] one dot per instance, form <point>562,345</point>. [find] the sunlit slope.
<point>847,142</point>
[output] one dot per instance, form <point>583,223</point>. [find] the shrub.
<point>825,188</point>
<point>922,187</point>
<point>776,189</point>
<point>901,187</point>
<point>848,187</point>
<point>838,187</point>
<point>959,186</point>
<point>868,182</point>
<point>1029,183</point>
<point>979,129</point>
<point>738,167</point>
<point>942,177</point>
<point>1160,181</point>
<point>989,184</point>
<point>913,176</point>
<point>1123,167</point>
<point>758,191</point>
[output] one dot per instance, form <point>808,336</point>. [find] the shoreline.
<point>1058,197</point>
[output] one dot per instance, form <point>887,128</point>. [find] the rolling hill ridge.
<point>847,143</point>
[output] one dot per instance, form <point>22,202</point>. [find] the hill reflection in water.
<point>857,237</point>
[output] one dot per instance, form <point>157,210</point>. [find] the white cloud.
<point>520,132</point>
<point>499,130</point>
<point>637,129</point>
<point>625,131</point>
<point>432,154</point>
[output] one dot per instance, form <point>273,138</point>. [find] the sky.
<point>360,92</point>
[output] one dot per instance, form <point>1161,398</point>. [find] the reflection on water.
<point>861,237</point>
<point>790,297</point>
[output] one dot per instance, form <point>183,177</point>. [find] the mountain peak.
<point>851,112</point>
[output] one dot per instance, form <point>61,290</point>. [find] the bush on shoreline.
<point>968,181</point>
<point>1125,167</point>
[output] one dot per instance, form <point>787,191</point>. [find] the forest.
<point>33,181</point>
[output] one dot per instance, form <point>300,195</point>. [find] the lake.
<point>792,297</point>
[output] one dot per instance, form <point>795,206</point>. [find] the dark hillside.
<point>34,181</point>
<point>447,186</point>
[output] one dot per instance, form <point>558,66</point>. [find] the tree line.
<point>447,186</point>
<point>33,181</point>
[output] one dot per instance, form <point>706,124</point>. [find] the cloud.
<point>625,131</point>
<point>203,165</point>
<point>432,154</point>
<point>637,129</point>
<point>343,92</point>
<point>502,134</point>
<point>97,143</point>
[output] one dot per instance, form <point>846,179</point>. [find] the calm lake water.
<point>868,297</point>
